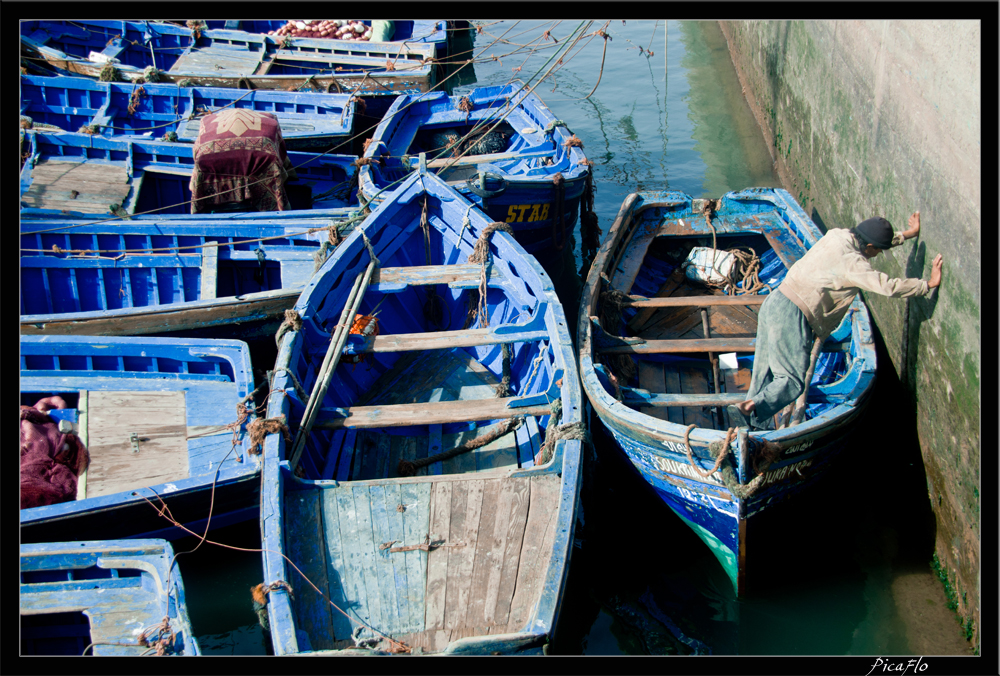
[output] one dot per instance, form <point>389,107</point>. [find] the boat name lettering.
<point>779,474</point>
<point>799,447</point>
<point>673,467</point>
<point>516,213</point>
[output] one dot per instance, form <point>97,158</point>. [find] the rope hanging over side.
<point>258,596</point>
<point>481,254</point>
<point>261,427</point>
<point>559,218</point>
<point>160,637</point>
<point>292,322</point>
<point>574,430</point>
<point>719,458</point>
<point>409,468</point>
<point>502,389</point>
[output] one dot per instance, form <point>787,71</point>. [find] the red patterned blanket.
<point>50,460</point>
<point>239,155</point>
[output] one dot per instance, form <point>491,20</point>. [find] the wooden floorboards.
<point>490,543</point>
<point>159,419</point>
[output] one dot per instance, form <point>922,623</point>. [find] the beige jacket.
<point>825,281</point>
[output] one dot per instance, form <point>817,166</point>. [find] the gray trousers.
<point>784,341</point>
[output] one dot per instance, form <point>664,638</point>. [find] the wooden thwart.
<point>680,346</point>
<point>424,413</point>
<point>441,340</point>
<point>694,301</point>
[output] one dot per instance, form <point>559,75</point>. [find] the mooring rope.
<point>718,461</point>
<point>410,467</point>
<point>481,254</point>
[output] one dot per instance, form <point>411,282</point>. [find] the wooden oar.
<point>333,354</point>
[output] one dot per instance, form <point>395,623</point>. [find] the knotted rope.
<point>133,100</point>
<point>258,595</point>
<point>159,637</point>
<point>261,427</point>
<point>746,265</point>
<point>110,74</point>
<point>481,254</point>
<point>410,467</point>
<point>292,322</point>
<point>551,126</point>
<point>574,430</point>
<point>503,388</point>
<point>722,452</point>
<point>90,129</point>
<point>196,26</point>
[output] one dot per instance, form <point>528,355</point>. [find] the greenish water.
<point>825,574</point>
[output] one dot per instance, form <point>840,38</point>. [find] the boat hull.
<point>679,460</point>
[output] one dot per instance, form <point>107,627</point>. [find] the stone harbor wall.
<point>868,118</point>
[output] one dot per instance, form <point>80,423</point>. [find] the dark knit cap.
<point>875,231</point>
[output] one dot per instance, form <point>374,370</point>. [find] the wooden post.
<point>337,341</point>
<point>715,363</point>
<point>209,272</point>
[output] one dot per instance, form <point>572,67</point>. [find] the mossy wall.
<point>868,118</point>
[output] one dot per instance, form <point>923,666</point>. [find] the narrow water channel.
<point>843,570</point>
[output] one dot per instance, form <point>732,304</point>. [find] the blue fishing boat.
<point>429,483</point>
<point>501,147</point>
<point>164,421</point>
<point>103,598</point>
<point>409,31</point>
<point>149,112</point>
<point>662,354</point>
<point>138,277</point>
<point>130,51</point>
<point>82,175</point>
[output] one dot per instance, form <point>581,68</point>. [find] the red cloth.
<point>239,155</point>
<point>50,460</point>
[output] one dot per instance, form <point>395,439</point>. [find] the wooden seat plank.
<point>727,344</point>
<point>440,340</point>
<point>694,301</point>
<point>424,413</point>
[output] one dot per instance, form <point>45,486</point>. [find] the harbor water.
<point>841,570</point>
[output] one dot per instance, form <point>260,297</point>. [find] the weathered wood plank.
<point>306,547</point>
<point>456,276</point>
<point>475,615</point>
<point>466,497</point>
<point>355,590</point>
<point>499,541</point>
<point>160,420</point>
<point>367,548</point>
<point>727,344</point>
<point>694,301</point>
<point>442,340</point>
<point>416,517</point>
<point>536,548</point>
<point>437,559</point>
<point>209,272</point>
<point>651,378</point>
<point>428,413</point>
<point>659,403</point>
<point>410,612</point>
<point>519,501</point>
<point>393,620</point>
<point>695,381</point>
<point>337,569</point>
<point>627,269</point>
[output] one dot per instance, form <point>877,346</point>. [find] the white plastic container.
<point>698,265</point>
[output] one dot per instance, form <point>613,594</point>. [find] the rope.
<point>574,430</point>
<point>110,74</point>
<point>721,456</point>
<point>261,427</point>
<point>159,638</point>
<point>559,219</point>
<point>258,595</point>
<point>745,268</point>
<point>292,322</point>
<point>503,388</point>
<point>481,254</point>
<point>371,251</point>
<point>410,467</point>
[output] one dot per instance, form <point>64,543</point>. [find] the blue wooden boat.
<point>202,277</point>
<point>510,172</point>
<point>409,31</point>
<point>649,340</point>
<point>101,597</point>
<point>469,554</point>
<point>154,415</point>
<point>81,175</point>
<point>163,52</point>
<point>149,112</point>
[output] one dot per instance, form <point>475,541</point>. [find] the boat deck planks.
<point>160,420</point>
<point>68,185</point>
<point>422,598</point>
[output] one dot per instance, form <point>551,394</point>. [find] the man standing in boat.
<point>810,304</point>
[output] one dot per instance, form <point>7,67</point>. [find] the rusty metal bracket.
<point>134,439</point>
